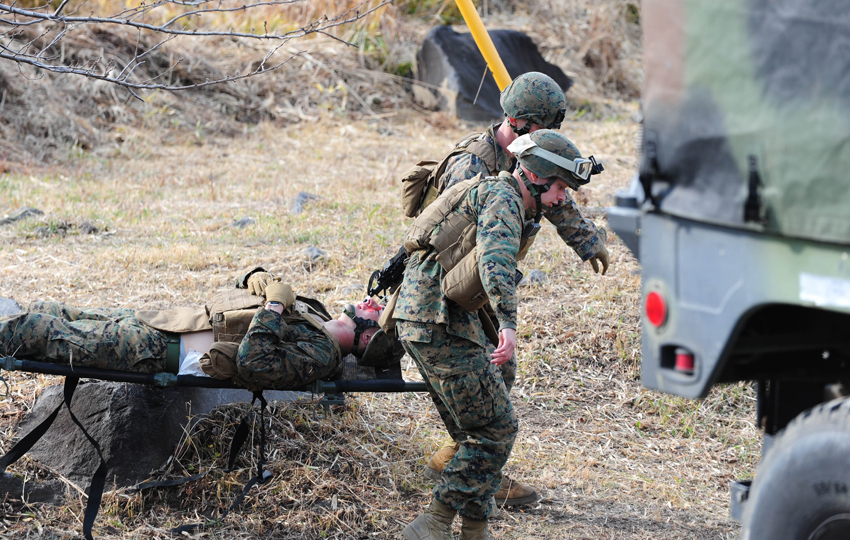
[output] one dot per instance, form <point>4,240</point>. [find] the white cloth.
<point>190,365</point>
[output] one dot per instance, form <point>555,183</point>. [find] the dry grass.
<point>45,117</point>
<point>141,201</point>
<point>613,460</point>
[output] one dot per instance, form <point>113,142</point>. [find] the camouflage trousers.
<point>473,402</point>
<point>281,356</point>
<point>101,338</point>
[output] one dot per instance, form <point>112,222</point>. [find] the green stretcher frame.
<point>168,380</point>
<point>163,379</point>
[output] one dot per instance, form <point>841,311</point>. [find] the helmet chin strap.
<point>524,130</point>
<point>536,191</point>
<point>360,326</point>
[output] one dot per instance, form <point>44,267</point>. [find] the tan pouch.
<point>232,325</point>
<point>463,283</point>
<point>387,320</point>
<point>220,362</point>
<point>414,186</point>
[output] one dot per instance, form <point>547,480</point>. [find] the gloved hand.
<point>280,292</point>
<point>602,257</point>
<point>258,281</point>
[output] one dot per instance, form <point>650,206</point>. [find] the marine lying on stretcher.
<point>260,335</point>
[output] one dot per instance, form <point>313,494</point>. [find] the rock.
<point>8,307</point>
<point>136,426</point>
<point>314,254</point>
<point>29,492</point>
<point>21,213</point>
<point>244,222</point>
<point>353,291</point>
<point>535,277</point>
<point>87,228</point>
<point>300,200</point>
<point>451,62</point>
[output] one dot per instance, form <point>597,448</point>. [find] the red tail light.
<point>656,309</point>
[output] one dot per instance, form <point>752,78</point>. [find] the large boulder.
<point>136,426</point>
<point>451,67</point>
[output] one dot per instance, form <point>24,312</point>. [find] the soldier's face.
<point>367,309</point>
<point>556,195</point>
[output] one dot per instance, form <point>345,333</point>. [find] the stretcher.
<point>332,390</point>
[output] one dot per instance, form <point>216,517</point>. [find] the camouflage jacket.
<point>498,209</point>
<point>280,355</point>
<point>574,229</point>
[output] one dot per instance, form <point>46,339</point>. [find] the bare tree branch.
<point>32,37</point>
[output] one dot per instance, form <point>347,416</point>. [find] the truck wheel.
<point>802,489</point>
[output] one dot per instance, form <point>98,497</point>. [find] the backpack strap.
<point>484,150</point>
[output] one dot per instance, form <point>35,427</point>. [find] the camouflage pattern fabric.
<point>99,338</point>
<point>574,229</point>
<point>535,97</point>
<point>280,356</point>
<point>452,351</point>
<point>472,400</point>
<point>496,206</point>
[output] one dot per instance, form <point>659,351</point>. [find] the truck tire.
<point>802,489</point>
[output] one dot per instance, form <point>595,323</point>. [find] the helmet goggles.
<point>581,168</point>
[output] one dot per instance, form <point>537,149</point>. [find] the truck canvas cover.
<point>747,114</point>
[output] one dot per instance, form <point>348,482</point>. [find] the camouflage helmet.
<point>548,154</point>
<point>535,97</point>
<point>383,351</point>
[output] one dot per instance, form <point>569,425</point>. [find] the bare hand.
<point>505,350</point>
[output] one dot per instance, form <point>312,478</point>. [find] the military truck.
<point>740,217</point>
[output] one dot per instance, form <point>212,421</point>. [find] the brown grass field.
<point>613,460</point>
<point>142,214</point>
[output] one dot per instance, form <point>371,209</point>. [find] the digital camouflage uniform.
<point>574,229</point>
<point>277,355</point>
<point>97,337</point>
<point>273,354</point>
<point>452,351</point>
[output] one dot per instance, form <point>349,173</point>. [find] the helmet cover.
<point>535,97</point>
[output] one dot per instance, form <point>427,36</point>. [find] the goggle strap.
<point>564,163</point>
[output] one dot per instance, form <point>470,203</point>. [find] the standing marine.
<point>463,250</point>
<point>532,101</point>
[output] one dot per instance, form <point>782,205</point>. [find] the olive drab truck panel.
<point>740,217</point>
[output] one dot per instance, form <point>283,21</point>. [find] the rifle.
<point>390,276</point>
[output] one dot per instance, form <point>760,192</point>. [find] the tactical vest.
<point>453,237</point>
<point>420,186</point>
<point>231,312</point>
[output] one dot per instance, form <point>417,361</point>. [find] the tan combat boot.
<point>513,493</point>
<point>438,461</point>
<point>434,524</point>
<point>475,530</point>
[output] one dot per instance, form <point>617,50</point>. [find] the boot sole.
<point>432,474</point>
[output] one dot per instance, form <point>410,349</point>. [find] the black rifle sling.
<point>236,444</point>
